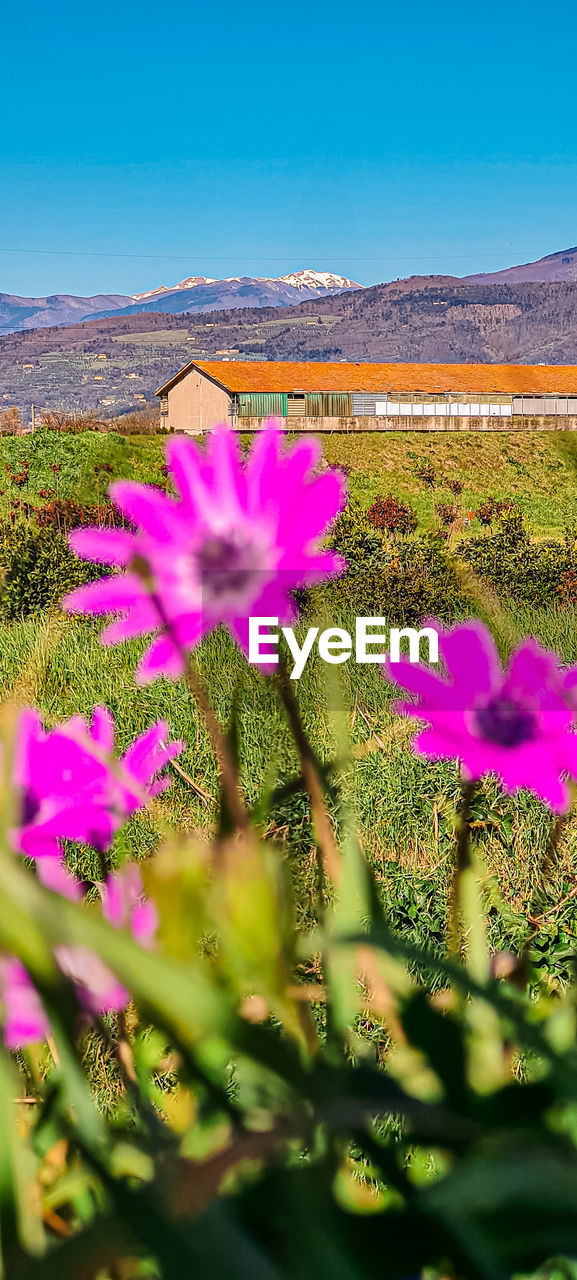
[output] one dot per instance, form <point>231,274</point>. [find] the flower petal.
<point>472,659</point>
<point>104,546</point>
<point>144,504</point>
<point>107,595</point>
<point>162,658</point>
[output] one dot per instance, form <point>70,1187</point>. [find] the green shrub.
<point>355,537</point>
<point>37,569</point>
<point>517,568</point>
<point>406,582</point>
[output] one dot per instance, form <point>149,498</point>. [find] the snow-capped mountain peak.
<point>193,295</point>
<point>310,279</point>
<point>189,283</point>
<point>307,281</point>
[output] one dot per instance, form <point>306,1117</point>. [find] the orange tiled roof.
<point>505,379</point>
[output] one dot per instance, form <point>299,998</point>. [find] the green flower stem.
<point>194,683</point>
<point>323,827</point>
<point>463,864</point>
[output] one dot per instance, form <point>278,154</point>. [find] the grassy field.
<point>406,809</point>
<point>538,470</point>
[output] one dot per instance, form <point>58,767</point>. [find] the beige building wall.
<point>195,404</point>
<point>447,425</point>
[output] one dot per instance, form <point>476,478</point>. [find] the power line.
<point>243,257</point>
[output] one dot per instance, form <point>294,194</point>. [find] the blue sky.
<point>142,143</point>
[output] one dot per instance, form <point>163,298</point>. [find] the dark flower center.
<point>30,806</point>
<point>99,841</point>
<point>505,722</point>
<point>227,566</point>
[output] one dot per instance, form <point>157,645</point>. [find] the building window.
<point>295,404</point>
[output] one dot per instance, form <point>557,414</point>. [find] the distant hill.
<point>202,294</point>
<point>556,267</point>
<point>17,314</point>
<point>196,293</point>
<point>111,364</point>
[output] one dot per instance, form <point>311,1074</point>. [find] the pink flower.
<point>237,540</point>
<point>125,907</point>
<point>72,791</point>
<point>24,1018</point>
<point>516,723</point>
<point>97,988</point>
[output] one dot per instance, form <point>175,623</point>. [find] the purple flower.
<point>72,789</point>
<point>515,723</point>
<point>24,1018</point>
<point>236,542</point>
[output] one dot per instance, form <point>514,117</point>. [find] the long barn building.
<point>370,397</point>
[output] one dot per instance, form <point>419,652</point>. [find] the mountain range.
<point>17,314</point>
<point>196,293</point>
<point>114,364</point>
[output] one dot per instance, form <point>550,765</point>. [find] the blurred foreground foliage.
<point>297,1089</point>
<point>341,1101</point>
